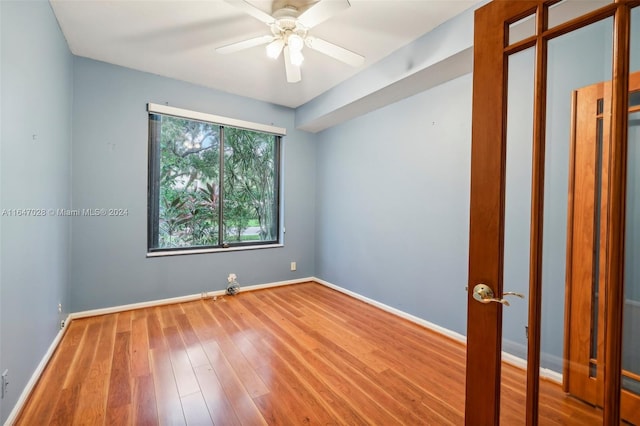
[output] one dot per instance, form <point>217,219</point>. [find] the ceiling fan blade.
<point>275,48</point>
<point>246,44</point>
<point>336,52</point>
<point>293,72</point>
<point>250,9</point>
<point>322,11</point>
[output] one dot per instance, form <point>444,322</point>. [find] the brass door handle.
<point>483,294</point>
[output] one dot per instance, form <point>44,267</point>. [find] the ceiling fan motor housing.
<point>287,23</point>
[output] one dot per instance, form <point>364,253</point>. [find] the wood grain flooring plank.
<point>317,383</point>
<point>218,404</point>
<point>250,380</point>
<point>286,321</point>
<point>273,346</point>
<point>139,347</point>
<point>39,408</point>
<point>166,315</point>
<point>350,340</point>
<point>182,369</point>
<point>117,416</point>
<point>433,379</point>
<point>195,410</point>
<point>167,396</point>
<point>289,392</point>
<point>429,407</point>
<point>313,304</point>
<point>145,411</point>
<point>204,322</point>
<point>361,402</point>
<point>278,325</point>
<point>375,384</point>
<point>124,321</point>
<point>186,329</point>
<point>120,383</point>
<point>139,313</point>
<point>154,330</point>
<point>242,403</point>
<point>66,406</point>
<point>84,357</point>
<point>251,337</point>
<point>192,343</point>
<point>92,404</point>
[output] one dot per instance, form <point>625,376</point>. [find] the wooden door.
<point>589,173</point>
<point>486,246</point>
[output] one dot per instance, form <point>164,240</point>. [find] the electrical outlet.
<point>294,266</point>
<point>59,308</point>
<point>4,385</point>
<point>61,324</point>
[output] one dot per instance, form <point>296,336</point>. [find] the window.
<point>213,182</point>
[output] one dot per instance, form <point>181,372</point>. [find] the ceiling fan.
<point>290,33</point>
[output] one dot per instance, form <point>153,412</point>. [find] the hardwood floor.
<point>300,354</point>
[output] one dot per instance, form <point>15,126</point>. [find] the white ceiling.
<point>177,39</point>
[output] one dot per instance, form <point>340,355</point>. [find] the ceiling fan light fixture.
<point>274,48</point>
<point>295,42</point>
<point>296,57</point>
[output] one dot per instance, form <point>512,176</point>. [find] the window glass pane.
<point>250,186</point>
<point>630,398</point>
<point>576,140</point>
<point>188,183</point>
<point>631,317</point>
<point>517,231</point>
<point>567,10</point>
<point>635,33</point>
<point>526,27</point>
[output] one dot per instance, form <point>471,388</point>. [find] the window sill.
<point>210,250</point>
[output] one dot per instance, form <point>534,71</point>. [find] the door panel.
<point>489,261</point>
<point>484,321</point>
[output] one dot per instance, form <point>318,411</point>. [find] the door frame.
<point>486,234</point>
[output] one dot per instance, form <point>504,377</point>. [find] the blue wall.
<point>393,204</point>
<point>110,131</point>
<point>37,90</point>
